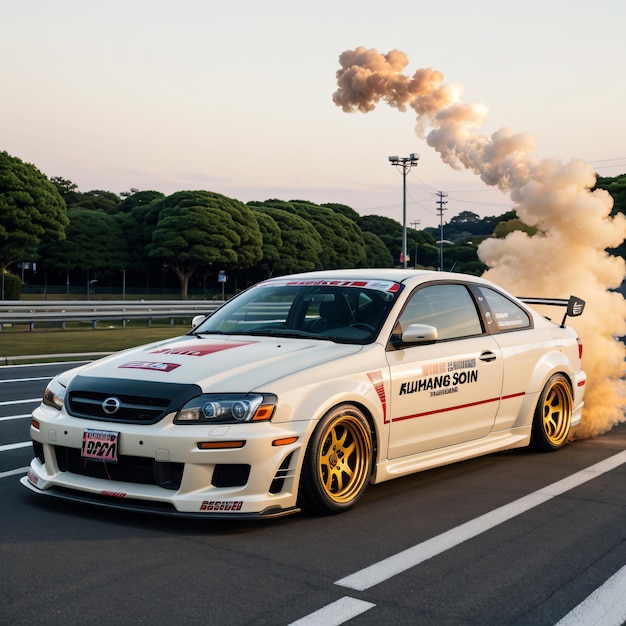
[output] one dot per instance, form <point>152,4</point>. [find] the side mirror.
<point>197,320</point>
<point>420,333</point>
<point>415,334</point>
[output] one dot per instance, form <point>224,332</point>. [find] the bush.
<point>12,287</point>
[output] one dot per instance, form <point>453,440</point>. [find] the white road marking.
<point>336,613</point>
<point>398,563</point>
<point>15,446</point>
<point>14,417</point>
<point>8,402</point>
<point>25,380</point>
<point>19,470</point>
<point>606,606</point>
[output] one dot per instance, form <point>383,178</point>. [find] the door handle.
<point>487,356</point>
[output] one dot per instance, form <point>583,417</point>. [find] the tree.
<point>138,215</point>
<point>344,210</point>
<point>616,186</point>
<point>204,229</point>
<point>68,190</point>
<point>504,228</point>
<point>341,238</point>
<point>376,252</point>
<point>301,243</point>
<point>31,211</point>
<point>388,230</point>
<point>98,200</point>
<point>272,241</point>
<point>94,242</point>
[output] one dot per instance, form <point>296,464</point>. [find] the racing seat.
<point>333,314</point>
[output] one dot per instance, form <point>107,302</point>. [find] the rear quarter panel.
<point>530,358</point>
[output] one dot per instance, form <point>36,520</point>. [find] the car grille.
<point>132,408</point>
<point>125,401</point>
<point>129,469</point>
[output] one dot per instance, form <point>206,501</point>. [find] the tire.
<point>553,415</point>
<point>338,462</point>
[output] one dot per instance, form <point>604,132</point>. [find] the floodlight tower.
<point>404,164</point>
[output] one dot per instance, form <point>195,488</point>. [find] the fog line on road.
<point>402,561</point>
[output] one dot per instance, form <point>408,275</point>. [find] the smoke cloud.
<point>567,256</point>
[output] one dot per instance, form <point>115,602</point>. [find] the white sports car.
<point>303,389</point>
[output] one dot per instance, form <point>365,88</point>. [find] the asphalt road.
<point>511,538</point>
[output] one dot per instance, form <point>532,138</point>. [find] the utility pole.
<point>404,164</point>
<point>440,210</point>
<point>415,224</point>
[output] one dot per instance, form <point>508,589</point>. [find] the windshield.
<point>345,311</point>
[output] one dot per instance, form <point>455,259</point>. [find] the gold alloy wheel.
<point>557,412</point>
<point>344,458</point>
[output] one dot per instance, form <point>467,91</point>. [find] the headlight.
<point>54,394</point>
<point>228,408</point>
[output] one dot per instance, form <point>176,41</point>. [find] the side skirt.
<point>494,442</point>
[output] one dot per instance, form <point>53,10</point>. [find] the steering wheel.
<point>364,326</point>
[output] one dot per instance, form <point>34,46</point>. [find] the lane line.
<point>25,380</point>
<point>14,417</point>
<point>19,470</point>
<point>8,402</point>
<point>335,613</point>
<point>398,563</point>
<point>15,446</point>
<point>606,606</point>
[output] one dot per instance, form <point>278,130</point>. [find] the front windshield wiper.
<point>197,333</point>
<point>283,332</point>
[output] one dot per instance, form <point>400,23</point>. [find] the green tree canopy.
<point>508,226</point>
<point>272,241</point>
<point>341,238</point>
<point>616,186</point>
<point>31,211</point>
<point>204,229</point>
<point>301,243</point>
<point>388,230</point>
<point>98,200</point>
<point>343,209</point>
<point>376,252</point>
<point>138,215</point>
<point>94,242</point>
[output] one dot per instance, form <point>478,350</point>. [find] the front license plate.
<point>100,445</point>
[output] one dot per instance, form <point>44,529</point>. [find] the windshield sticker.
<point>379,285</point>
<point>150,365</point>
<point>202,349</point>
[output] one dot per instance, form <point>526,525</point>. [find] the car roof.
<point>390,274</point>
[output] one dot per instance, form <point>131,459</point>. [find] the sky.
<point>236,97</point>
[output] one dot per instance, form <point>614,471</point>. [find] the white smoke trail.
<point>567,256</point>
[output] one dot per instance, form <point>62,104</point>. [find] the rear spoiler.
<point>575,306</point>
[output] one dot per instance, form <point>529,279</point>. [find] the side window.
<point>504,313</point>
<point>448,307</point>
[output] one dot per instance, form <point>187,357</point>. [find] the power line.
<point>440,210</point>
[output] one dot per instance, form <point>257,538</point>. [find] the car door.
<point>446,392</point>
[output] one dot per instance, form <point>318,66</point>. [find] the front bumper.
<point>161,468</point>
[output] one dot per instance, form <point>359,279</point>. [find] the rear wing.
<point>575,306</point>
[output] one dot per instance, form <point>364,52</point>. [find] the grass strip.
<point>78,339</point>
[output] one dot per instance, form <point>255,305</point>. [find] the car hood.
<point>219,363</point>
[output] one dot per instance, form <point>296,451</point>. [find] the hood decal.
<point>202,349</point>
<point>150,365</point>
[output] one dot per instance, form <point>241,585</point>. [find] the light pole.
<point>406,163</point>
<point>415,224</point>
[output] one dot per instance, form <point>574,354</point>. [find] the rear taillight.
<point>580,347</point>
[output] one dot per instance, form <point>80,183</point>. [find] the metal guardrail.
<point>33,312</point>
